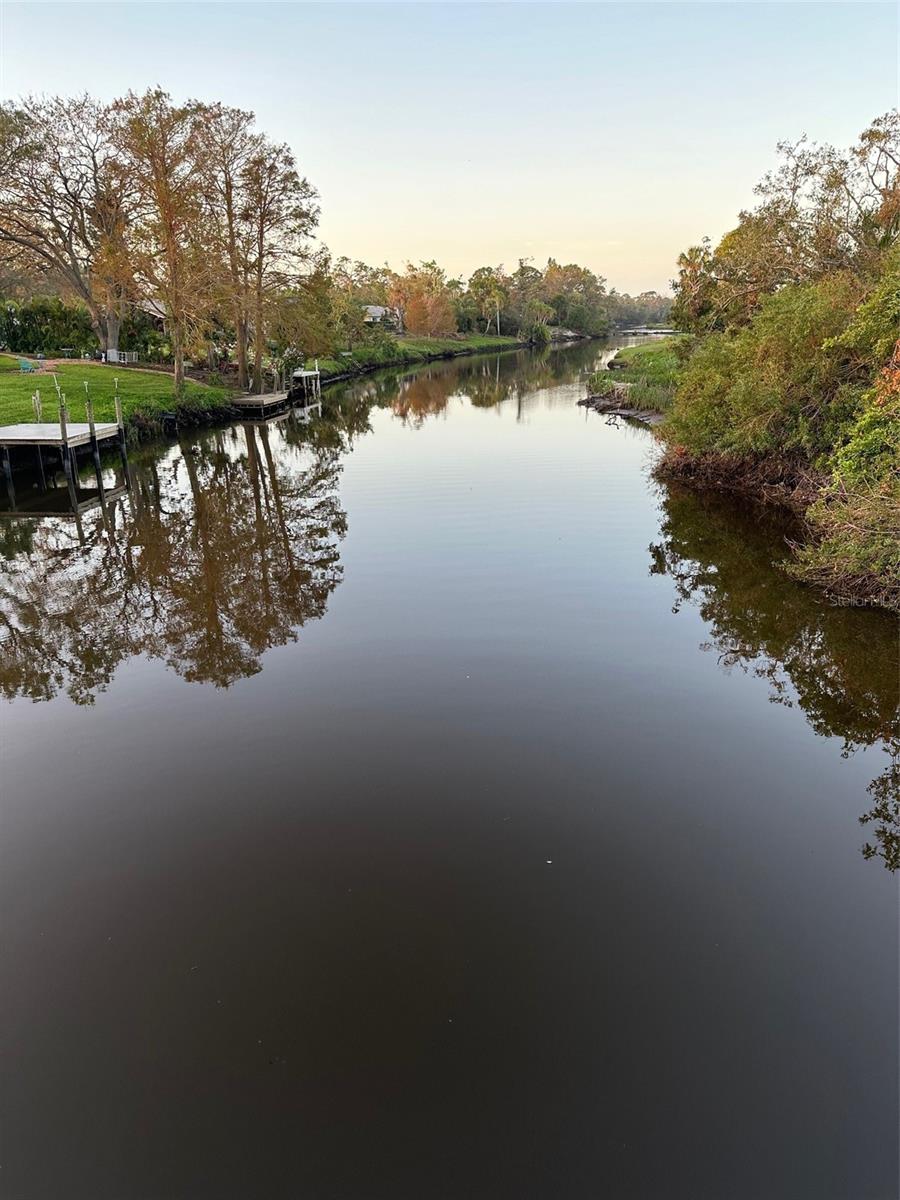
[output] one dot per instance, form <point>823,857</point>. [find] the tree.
<point>162,149</point>
<point>353,286</point>
<point>647,308</point>
<point>821,211</point>
<point>489,291</point>
<point>423,298</point>
<point>301,319</point>
<point>229,145</point>
<point>65,206</point>
<point>694,288</point>
<point>278,213</point>
<point>576,296</point>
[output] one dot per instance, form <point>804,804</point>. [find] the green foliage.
<point>140,333</point>
<point>776,385</point>
<point>855,547</point>
<point>45,325</point>
<point>602,383</point>
<point>875,326</point>
<point>657,362</point>
<point>822,211</point>
<point>870,451</point>
<point>798,309</point>
<point>538,334</point>
<point>647,309</point>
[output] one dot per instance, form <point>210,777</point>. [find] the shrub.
<point>855,547</point>
<point>773,386</point>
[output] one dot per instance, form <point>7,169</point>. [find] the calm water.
<point>421,803</point>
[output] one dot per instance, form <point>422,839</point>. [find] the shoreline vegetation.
<point>785,386</point>
<point>637,383</point>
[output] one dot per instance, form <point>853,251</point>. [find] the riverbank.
<point>845,487</point>
<point>147,394</point>
<point>850,546</point>
<point>618,404</point>
<point>637,383</point>
<point>407,351</point>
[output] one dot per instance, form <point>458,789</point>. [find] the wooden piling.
<point>69,461</point>
<point>120,421</point>
<point>95,447</point>
<point>7,471</point>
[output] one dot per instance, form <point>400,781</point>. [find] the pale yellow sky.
<point>613,135</point>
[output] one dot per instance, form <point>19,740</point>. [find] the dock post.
<point>36,405</point>
<point>69,461</point>
<point>120,421</point>
<point>7,471</point>
<point>95,448</point>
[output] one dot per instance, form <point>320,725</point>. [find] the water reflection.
<point>228,544</point>
<point>415,394</point>
<point>842,671</point>
<point>224,547</point>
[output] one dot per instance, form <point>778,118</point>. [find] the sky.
<point>612,135</point>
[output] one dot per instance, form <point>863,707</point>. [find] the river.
<point>423,803</point>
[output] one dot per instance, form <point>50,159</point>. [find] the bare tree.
<point>65,207</point>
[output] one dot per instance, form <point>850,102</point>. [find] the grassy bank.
<point>145,394</point>
<point>650,370</point>
<point>148,394</point>
<point>400,351</point>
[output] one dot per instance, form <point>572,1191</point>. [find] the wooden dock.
<point>47,433</point>
<point>305,392</point>
<point>64,437</point>
<point>264,404</point>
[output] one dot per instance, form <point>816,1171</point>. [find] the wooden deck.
<point>48,433</point>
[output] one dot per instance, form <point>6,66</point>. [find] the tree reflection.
<point>485,380</point>
<point>224,548</point>
<point>838,664</point>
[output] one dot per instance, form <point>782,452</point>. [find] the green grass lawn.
<point>144,394</point>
